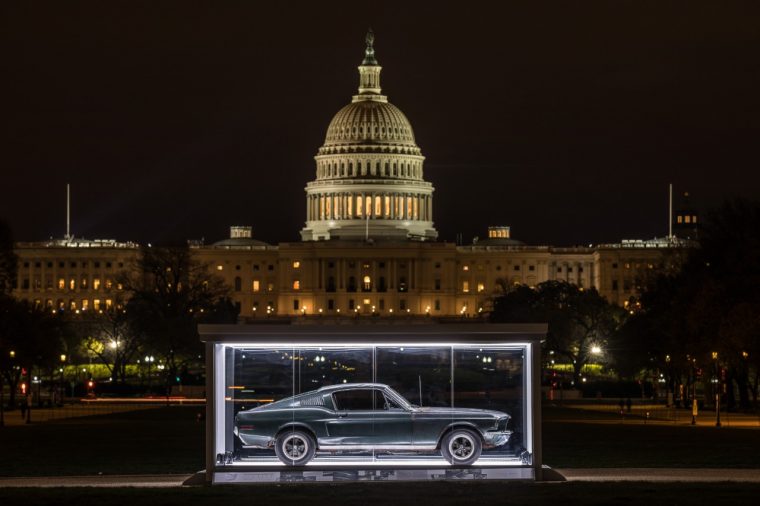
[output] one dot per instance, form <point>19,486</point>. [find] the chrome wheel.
<point>295,447</point>
<point>462,446</point>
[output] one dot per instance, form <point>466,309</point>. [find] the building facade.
<point>368,245</point>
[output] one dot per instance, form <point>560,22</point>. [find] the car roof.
<point>351,386</point>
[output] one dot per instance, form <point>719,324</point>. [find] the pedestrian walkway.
<point>76,410</point>
<point>662,475</point>
<point>660,415</point>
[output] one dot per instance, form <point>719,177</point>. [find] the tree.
<point>8,259</point>
<point>29,336</point>
<point>169,293</point>
<point>709,308</point>
<point>579,319</point>
<point>113,338</point>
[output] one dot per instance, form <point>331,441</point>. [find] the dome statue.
<point>369,181</point>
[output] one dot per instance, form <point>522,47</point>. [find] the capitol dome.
<point>369,182</point>
<point>370,122</point>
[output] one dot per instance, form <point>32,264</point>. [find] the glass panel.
<point>421,375</point>
<point>492,379</point>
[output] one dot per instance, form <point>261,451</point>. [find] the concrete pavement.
<point>660,475</point>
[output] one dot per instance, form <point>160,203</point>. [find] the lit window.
<point>270,287</point>
<point>367,283</point>
<point>73,305</point>
<point>687,219</point>
<point>96,284</point>
<point>368,206</point>
<point>296,264</point>
<point>96,304</point>
<point>465,267</point>
<point>481,287</point>
<point>72,284</point>
<point>109,284</point>
<point>109,303</point>
<point>366,302</point>
<point>296,285</point>
<point>378,206</point>
<point>693,219</point>
<point>256,285</point>
<point>219,267</point>
<point>359,205</point>
<point>679,219</point>
<point>465,286</point>
<point>350,207</point>
<point>387,206</point>
<point>61,283</point>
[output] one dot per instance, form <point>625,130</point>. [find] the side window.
<point>391,404</point>
<point>354,400</point>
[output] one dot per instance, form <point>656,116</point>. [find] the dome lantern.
<point>369,73</point>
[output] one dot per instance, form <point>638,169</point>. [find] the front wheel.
<point>295,447</point>
<point>461,447</point>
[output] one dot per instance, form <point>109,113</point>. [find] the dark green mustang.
<point>368,417</point>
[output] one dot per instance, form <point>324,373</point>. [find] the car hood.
<point>460,412</point>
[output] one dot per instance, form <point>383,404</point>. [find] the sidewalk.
<point>42,415</point>
<point>583,475</point>
<point>661,415</point>
<point>662,475</point>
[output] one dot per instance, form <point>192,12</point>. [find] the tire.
<point>295,447</point>
<point>461,447</point>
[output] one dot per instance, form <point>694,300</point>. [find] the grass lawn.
<point>158,440</point>
<point>383,494</point>
<point>583,443</point>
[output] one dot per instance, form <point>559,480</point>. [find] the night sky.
<point>567,120</point>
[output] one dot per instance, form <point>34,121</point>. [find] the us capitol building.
<point>368,245</point>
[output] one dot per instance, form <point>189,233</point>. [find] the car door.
<point>393,423</point>
<point>354,421</point>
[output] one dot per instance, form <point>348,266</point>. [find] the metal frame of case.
<point>218,338</point>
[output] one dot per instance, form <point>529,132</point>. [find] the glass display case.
<point>371,400</point>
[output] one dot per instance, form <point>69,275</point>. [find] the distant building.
<point>368,245</point>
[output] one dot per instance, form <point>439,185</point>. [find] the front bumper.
<point>493,439</point>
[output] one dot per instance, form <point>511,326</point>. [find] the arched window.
<point>359,205</point>
<point>296,285</point>
<point>366,284</point>
<point>378,206</point>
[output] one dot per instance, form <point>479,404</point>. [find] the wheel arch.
<point>297,425</point>
<point>459,425</point>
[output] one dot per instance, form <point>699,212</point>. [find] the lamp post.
<point>63,387</point>
<point>717,389</point>
<point>694,405</point>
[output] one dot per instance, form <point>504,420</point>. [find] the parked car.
<point>368,417</point>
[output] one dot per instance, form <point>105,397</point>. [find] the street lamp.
<point>63,366</point>
<point>717,389</point>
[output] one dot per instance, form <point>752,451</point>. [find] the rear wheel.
<point>295,447</point>
<point>461,447</point>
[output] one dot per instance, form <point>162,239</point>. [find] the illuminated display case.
<point>314,402</point>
